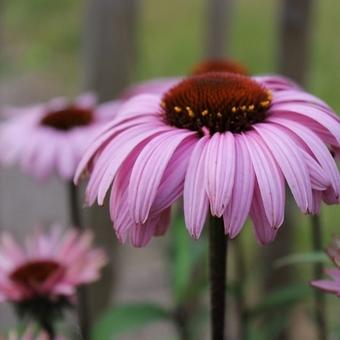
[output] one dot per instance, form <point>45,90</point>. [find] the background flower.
<point>50,138</point>
<point>49,267</point>
<point>331,285</point>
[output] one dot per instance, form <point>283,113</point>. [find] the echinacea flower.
<point>50,138</point>
<point>30,333</point>
<point>42,276</point>
<point>331,285</point>
<point>224,141</point>
<point>161,85</point>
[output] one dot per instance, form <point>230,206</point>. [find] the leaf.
<point>124,318</point>
<point>281,298</point>
<point>312,257</point>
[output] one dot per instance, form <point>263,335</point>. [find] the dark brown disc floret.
<point>35,273</point>
<point>218,102</point>
<point>68,118</point>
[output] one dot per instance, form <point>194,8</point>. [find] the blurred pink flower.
<point>49,266</point>
<point>223,141</point>
<point>331,285</point>
<point>50,138</point>
<point>29,334</point>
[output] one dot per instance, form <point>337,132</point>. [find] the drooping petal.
<point>264,231</point>
<point>163,223</point>
<point>238,208</point>
<point>269,178</point>
<point>291,162</point>
<point>117,152</point>
<point>141,234</point>
<point>316,147</point>
<point>329,123</point>
<point>151,164</point>
<point>195,198</point>
<point>172,183</point>
<point>220,171</point>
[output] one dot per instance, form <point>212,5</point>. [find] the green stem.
<point>319,297</point>
<point>82,301</point>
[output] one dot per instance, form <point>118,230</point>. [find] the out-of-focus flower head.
<point>44,139</point>
<point>331,285</point>
<point>227,143</point>
<point>161,85</point>
<point>42,276</point>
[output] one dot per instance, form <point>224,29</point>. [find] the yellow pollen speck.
<point>265,103</point>
<point>163,104</point>
<point>251,107</point>
<point>190,112</point>
<point>243,107</point>
<point>233,109</point>
<point>177,109</point>
<point>219,114</point>
<point>205,112</point>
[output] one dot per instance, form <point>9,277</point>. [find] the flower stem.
<point>240,297</point>
<point>48,328</point>
<point>82,301</point>
<point>217,266</point>
<point>319,297</point>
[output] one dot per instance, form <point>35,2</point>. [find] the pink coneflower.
<point>50,138</point>
<point>40,278</point>
<point>225,142</point>
<point>331,285</point>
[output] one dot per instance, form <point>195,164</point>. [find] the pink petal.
<point>237,210</point>
<point>163,223</point>
<point>141,234</point>
<point>312,113</point>
<point>317,148</point>
<point>291,162</point>
<point>117,151</point>
<point>172,183</point>
<point>263,229</point>
<point>195,199</point>
<point>327,285</point>
<point>219,171</point>
<point>269,179</point>
<point>148,170</point>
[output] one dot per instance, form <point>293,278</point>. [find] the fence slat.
<point>294,43</point>
<point>110,51</point>
<point>218,27</point>
<point>295,38</point>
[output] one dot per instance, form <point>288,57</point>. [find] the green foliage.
<point>127,317</point>
<point>303,258</point>
<point>283,297</point>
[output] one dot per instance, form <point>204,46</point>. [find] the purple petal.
<point>263,229</point>
<point>163,223</point>
<point>312,113</point>
<point>172,183</point>
<point>291,162</point>
<point>195,198</point>
<point>219,171</point>
<point>237,210</point>
<point>148,170</point>
<point>269,179</point>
